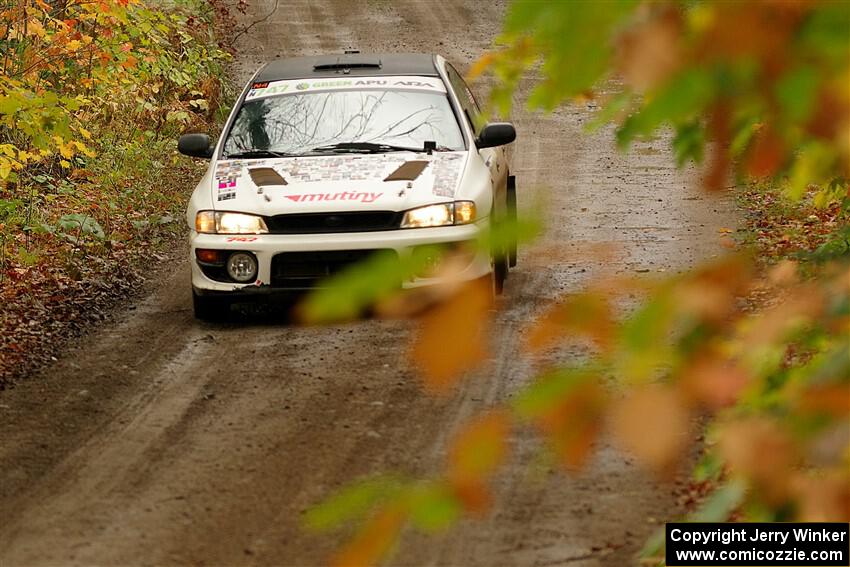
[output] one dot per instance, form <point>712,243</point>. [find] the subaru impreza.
<point>326,160</point>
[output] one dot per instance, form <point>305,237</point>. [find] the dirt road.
<point>160,440</point>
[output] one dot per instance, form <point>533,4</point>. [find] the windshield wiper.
<point>366,147</point>
<point>259,154</point>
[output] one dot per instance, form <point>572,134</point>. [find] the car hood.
<point>391,181</point>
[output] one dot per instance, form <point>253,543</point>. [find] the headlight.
<point>459,212</point>
<point>229,223</point>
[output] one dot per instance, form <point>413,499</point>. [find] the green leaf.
<point>682,99</point>
<point>352,502</point>
<point>720,504</point>
<point>548,391</point>
<point>433,507</point>
<point>812,166</point>
<point>607,113</point>
<point>796,93</point>
<point>83,224</point>
<point>689,142</point>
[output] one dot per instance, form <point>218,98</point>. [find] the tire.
<point>500,272</point>
<point>512,219</point>
<point>210,308</point>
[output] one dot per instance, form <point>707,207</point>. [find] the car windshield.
<point>344,121</point>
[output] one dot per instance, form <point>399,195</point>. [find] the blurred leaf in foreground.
<point>452,336</point>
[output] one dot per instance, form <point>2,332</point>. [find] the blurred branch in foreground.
<point>752,349</point>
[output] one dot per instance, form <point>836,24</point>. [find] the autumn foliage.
<point>70,64</point>
<point>749,353</point>
<point>92,96</point>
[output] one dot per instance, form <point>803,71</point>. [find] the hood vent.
<point>265,176</point>
<point>408,171</point>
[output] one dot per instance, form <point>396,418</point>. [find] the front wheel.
<point>512,219</point>
<point>210,308</point>
<point>499,272</point>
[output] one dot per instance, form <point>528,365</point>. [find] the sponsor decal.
<point>241,239</point>
<point>440,177</point>
<point>300,85</point>
<point>361,196</point>
<point>227,173</point>
<point>446,173</point>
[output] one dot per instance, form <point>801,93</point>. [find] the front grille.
<point>358,221</point>
<point>302,270</point>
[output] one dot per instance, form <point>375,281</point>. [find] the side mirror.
<point>496,134</point>
<point>195,145</point>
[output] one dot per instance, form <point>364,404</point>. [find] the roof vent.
<point>343,63</point>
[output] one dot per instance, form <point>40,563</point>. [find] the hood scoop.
<point>408,171</point>
<point>265,176</point>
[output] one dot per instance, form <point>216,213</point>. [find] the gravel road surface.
<point>158,440</point>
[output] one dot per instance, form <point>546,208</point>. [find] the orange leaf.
<point>650,52</point>
<point>480,65</point>
<point>573,424</point>
<point>715,382</point>
<point>784,273</point>
<point>824,497</point>
<point>759,449</point>
<point>473,495</point>
<point>720,164</point>
<point>130,62</point>
<point>451,336</point>
<point>480,447</point>
<point>825,399</point>
<point>652,423</point>
<point>585,313</point>
<point>766,154</point>
<point>373,540</point>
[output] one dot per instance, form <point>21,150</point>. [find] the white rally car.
<point>325,160</point>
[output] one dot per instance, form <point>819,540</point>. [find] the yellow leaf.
<point>86,134</point>
<point>65,164</point>
<point>34,27</point>
<point>480,66</point>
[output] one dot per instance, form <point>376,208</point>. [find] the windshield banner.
<point>298,86</point>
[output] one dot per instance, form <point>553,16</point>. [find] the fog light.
<point>242,267</point>
<point>428,261</point>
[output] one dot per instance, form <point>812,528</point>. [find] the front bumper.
<point>266,246</point>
